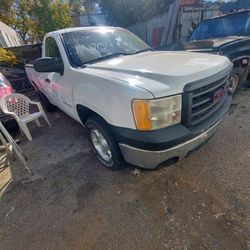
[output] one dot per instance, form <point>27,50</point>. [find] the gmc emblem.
<point>219,94</point>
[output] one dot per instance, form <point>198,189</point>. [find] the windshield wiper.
<point>99,59</point>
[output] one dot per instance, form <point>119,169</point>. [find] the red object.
<point>5,86</point>
<point>219,94</point>
<point>157,35</point>
<point>190,2</point>
<point>244,62</point>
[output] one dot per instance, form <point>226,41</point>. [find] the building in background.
<point>9,37</point>
<point>176,25</point>
<point>194,3</point>
<point>190,16</point>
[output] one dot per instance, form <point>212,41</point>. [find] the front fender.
<point>109,98</point>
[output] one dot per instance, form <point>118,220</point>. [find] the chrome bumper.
<point>151,159</point>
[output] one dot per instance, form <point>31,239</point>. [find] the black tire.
<point>95,123</point>
<point>48,106</point>
<point>236,80</point>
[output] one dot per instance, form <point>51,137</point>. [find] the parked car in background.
<point>144,106</point>
<point>227,35</point>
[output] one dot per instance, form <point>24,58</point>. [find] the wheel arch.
<point>239,68</point>
<point>84,113</point>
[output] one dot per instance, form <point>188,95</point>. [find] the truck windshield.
<point>90,46</point>
<point>231,25</point>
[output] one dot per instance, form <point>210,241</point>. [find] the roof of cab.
<point>231,13</point>
<point>83,28</point>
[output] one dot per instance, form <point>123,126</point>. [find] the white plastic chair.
<point>18,106</point>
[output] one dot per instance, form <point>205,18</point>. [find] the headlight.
<point>157,113</point>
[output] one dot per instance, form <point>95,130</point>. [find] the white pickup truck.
<point>139,105</point>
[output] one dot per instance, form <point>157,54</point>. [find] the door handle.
<point>47,80</point>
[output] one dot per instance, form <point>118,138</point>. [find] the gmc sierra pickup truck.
<point>139,105</point>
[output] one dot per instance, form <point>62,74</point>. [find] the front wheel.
<point>235,80</point>
<point>104,143</point>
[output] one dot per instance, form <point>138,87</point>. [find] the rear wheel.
<point>104,143</point>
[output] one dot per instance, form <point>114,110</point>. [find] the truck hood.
<point>159,72</point>
<point>211,44</point>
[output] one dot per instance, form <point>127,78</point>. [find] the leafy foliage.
<point>51,16</point>
<point>7,14</point>
<point>81,7</point>
<point>23,21</point>
<point>76,7</point>
<point>34,18</point>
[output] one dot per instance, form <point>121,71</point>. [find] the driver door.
<point>52,81</point>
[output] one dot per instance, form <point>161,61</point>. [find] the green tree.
<point>77,7</point>
<point>7,14</point>
<point>17,15</point>
<point>82,7</point>
<point>32,18</point>
<point>23,20</point>
<point>50,16</point>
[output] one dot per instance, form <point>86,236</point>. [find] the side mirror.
<point>48,64</point>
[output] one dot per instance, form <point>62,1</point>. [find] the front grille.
<point>202,102</point>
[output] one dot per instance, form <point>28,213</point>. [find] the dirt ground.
<point>202,202</point>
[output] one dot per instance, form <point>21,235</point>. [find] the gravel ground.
<point>202,202</point>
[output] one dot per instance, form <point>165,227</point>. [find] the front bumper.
<point>151,159</point>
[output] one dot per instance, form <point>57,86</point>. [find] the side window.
<point>248,24</point>
<point>51,49</point>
